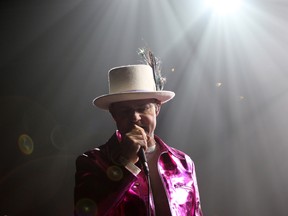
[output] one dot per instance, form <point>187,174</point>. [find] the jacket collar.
<point>171,150</point>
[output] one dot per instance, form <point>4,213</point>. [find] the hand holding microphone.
<point>132,142</point>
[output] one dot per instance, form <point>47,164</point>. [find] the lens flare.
<point>25,144</point>
<point>114,173</point>
<point>85,207</point>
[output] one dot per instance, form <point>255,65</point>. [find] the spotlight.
<point>224,7</point>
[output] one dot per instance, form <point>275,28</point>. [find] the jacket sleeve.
<point>197,207</point>
<point>99,184</point>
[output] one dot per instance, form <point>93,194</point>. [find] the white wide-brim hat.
<point>131,82</point>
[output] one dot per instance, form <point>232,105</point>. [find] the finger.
<point>140,130</point>
<point>143,134</point>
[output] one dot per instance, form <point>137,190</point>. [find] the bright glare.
<point>224,7</point>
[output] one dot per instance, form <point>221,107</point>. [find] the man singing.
<point>135,173</point>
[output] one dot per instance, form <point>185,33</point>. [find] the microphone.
<point>143,160</point>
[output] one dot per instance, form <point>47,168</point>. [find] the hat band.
<point>131,91</point>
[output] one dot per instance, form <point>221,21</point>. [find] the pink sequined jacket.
<point>105,188</point>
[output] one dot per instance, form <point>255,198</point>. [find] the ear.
<point>157,108</point>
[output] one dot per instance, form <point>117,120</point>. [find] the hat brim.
<point>104,101</point>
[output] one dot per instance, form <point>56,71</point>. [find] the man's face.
<point>136,112</point>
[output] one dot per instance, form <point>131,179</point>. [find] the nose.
<point>135,116</point>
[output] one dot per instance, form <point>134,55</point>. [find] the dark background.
<point>229,114</point>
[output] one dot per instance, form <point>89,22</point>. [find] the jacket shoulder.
<point>101,151</point>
